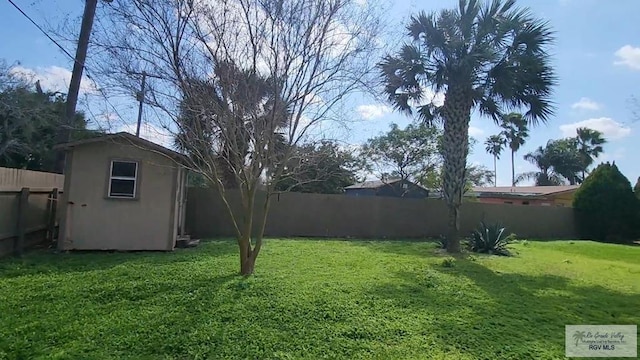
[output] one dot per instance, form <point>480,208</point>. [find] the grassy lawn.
<point>313,299</point>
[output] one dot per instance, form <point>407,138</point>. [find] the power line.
<point>42,30</point>
<point>66,53</point>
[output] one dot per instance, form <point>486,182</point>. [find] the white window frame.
<point>134,178</point>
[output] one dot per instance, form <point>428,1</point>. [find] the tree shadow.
<point>476,311</point>
<point>47,261</point>
<point>412,247</point>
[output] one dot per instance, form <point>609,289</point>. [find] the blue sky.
<point>596,56</point>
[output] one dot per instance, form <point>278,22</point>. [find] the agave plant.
<point>489,239</point>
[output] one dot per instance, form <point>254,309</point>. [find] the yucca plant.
<point>489,239</point>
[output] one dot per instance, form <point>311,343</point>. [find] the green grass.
<point>314,299</point>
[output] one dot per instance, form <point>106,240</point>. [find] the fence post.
<point>23,204</point>
<point>53,206</point>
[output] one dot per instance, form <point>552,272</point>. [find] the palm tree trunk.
<point>457,114</point>
<point>495,171</point>
<point>513,169</point>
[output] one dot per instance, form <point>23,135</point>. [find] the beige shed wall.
<point>92,221</point>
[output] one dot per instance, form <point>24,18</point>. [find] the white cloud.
<point>610,128</point>
<point>586,104</point>
<point>152,133</point>
<point>475,132</point>
<point>54,78</point>
<point>373,111</point>
<point>628,56</point>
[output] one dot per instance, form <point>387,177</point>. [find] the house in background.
<point>525,195</point>
<point>392,188</point>
<point>122,193</point>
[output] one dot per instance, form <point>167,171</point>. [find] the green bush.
<point>606,208</point>
<point>489,239</point>
<point>448,262</point>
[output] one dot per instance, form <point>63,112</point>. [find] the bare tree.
<point>242,82</point>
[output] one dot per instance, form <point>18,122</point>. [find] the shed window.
<point>123,179</point>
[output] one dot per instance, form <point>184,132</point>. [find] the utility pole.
<point>140,96</point>
<point>141,100</point>
<point>64,131</point>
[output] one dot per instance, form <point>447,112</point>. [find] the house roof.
<point>375,184</point>
<point>523,191</point>
<point>127,137</point>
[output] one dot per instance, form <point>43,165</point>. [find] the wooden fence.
<point>28,204</point>
<point>296,214</point>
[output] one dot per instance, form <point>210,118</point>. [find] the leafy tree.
<point>478,175</point>
<point>636,189</point>
<point>322,168</point>
<point>546,176</point>
<point>515,133</point>
<point>408,153</point>
<point>589,143</point>
<point>29,120</point>
<point>606,208</point>
<point>489,56</point>
<point>494,146</point>
<point>475,175</point>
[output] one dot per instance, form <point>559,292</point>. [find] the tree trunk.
<point>457,114</point>
<point>248,255</point>
<point>495,171</point>
<point>513,169</point>
<point>247,260</point>
<point>453,240</point>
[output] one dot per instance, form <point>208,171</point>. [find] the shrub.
<point>448,262</point>
<point>605,206</point>
<point>489,239</point>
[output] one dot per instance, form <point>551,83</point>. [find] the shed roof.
<point>127,137</point>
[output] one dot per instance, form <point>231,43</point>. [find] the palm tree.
<point>515,132</point>
<point>566,159</point>
<point>578,336</point>
<point>221,115</point>
<point>589,145</point>
<point>485,56</point>
<point>543,160</point>
<point>495,145</point>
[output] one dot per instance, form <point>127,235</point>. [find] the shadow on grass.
<point>50,262</point>
<point>416,247</point>
<point>487,314</point>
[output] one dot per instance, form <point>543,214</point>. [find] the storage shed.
<point>122,193</point>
